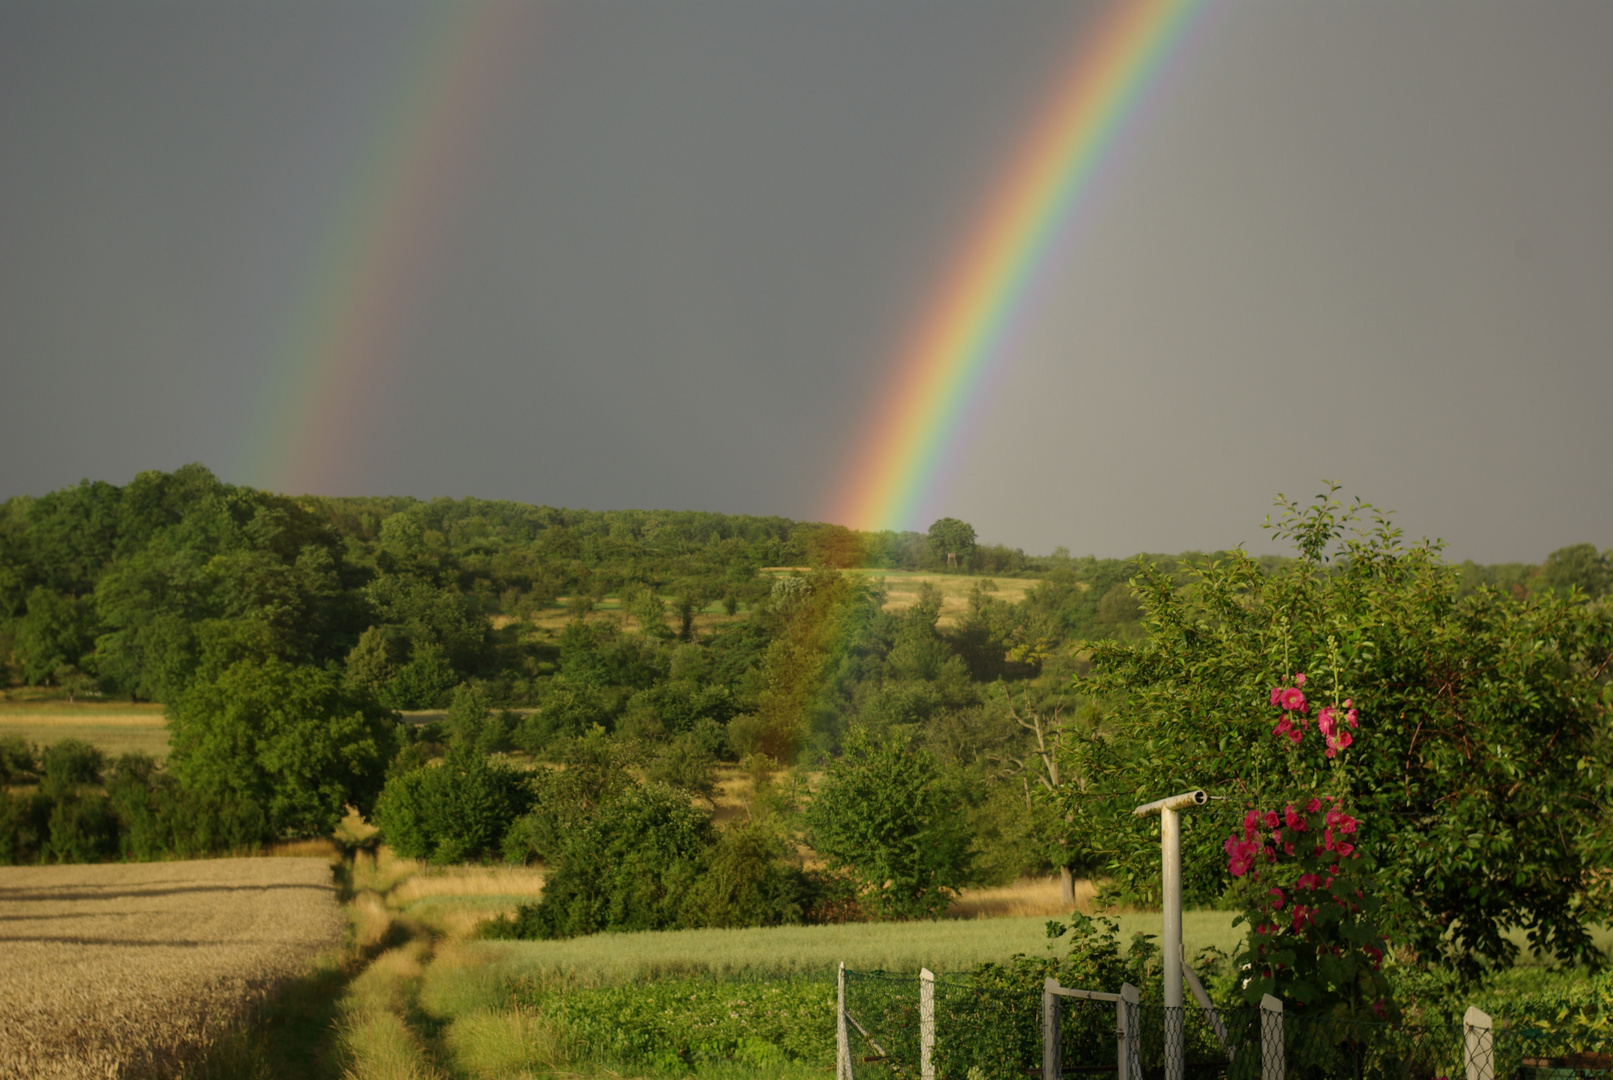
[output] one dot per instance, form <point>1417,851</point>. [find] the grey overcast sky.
<point>680,245</point>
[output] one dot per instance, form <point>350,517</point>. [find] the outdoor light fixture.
<point>1170,854</point>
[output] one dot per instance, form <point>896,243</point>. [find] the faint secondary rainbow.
<point>312,420</point>
<point>961,332</point>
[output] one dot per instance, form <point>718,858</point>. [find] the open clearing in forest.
<point>115,727</point>
<point>127,969</point>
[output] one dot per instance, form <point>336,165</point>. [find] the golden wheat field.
<point>126,970</point>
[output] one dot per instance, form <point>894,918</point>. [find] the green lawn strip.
<point>765,952</point>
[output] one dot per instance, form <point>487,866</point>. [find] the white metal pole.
<point>1170,848</point>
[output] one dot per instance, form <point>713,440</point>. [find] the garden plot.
<point>126,969</point>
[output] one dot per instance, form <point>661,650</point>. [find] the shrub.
<point>630,866</point>
<point>291,740</point>
<point>453,812</point>
<point>889,819</point>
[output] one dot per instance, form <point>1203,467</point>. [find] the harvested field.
<point>117,970</point>
<point>118,728</point>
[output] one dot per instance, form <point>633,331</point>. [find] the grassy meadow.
<point>116,727</point>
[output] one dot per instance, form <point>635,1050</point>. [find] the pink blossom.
<point>1251,823</point>
<point>1350,718</point>
<point>1307,881</point>
<point>1288,848</point>
<point>1299,679</point>
<point>1344,850</point>
<point>1295,736</point>
<point>1277,904</point>
<point>1272,820</point>
<point>1325,723</point>
<point>1293,700</point>
<point>1294,821</point>
<point>1314,805</point>
<point>1276,697</point>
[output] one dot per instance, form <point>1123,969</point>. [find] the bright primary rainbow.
<point>310,421</point>
<point>958,340</point>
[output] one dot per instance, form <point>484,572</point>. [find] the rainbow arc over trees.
<point>958,339</point>
<point>383,228</point>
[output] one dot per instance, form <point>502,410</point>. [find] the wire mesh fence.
<point>985,1026</point>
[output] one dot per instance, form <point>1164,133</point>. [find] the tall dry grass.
<point>1027,896</point>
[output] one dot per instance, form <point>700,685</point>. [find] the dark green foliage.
<point>680,1024</point>
<point>457,811</point>
<point>17,759</point>
<point>631,865</point>
<point>748,880</point>
<point>69,763</point>
<point>291,740</point>
<point>891,820</point>
<point>1482,751</point>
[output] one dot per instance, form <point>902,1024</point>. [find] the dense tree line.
<point>595,667</point>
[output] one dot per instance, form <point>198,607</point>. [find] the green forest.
<point>913,712</point>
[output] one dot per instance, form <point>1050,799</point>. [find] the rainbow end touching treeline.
<point>957,341</point>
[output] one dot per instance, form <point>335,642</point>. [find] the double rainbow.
<point>959,339</point>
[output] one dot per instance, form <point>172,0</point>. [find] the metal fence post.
<point>1129,1065</point>
<point>1478,1044</point>
<point>842,1040</point>
<point>1052,1067</point>
<point>926,1024</point>
<point>1271,1038</point>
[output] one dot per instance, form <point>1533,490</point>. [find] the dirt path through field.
<point>124,969</point>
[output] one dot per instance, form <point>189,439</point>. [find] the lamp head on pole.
<point>1184,801</point>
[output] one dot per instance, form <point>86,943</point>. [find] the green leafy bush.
<point>890,820</point>
<point>453,812</point>
<point>674,1024</point>
<point>632,865</point>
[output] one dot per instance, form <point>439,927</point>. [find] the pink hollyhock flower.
<point>1325,723</point>
<point>1314,805</point>
<point>1272,820</point>
<point>1293,700</point>
<point>1295,736</point>
<point>1350,718</point>
<point>1277,696</point>
<point>1288,848</point>
<point>1277,904</point>
<point>1283,726</point>
<point>1293,820</point>
<point>1344,850</point>
<point>1307,881</point>
<point>1327,839</point>
<point>1299,679</point>
<point>1251,823</point>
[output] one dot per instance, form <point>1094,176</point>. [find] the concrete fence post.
<point>842,1040</point>
<point>1129,1063</point>
<point>1478,1045</point>
<point>1271,1038</point>
<point>926,1024</point>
